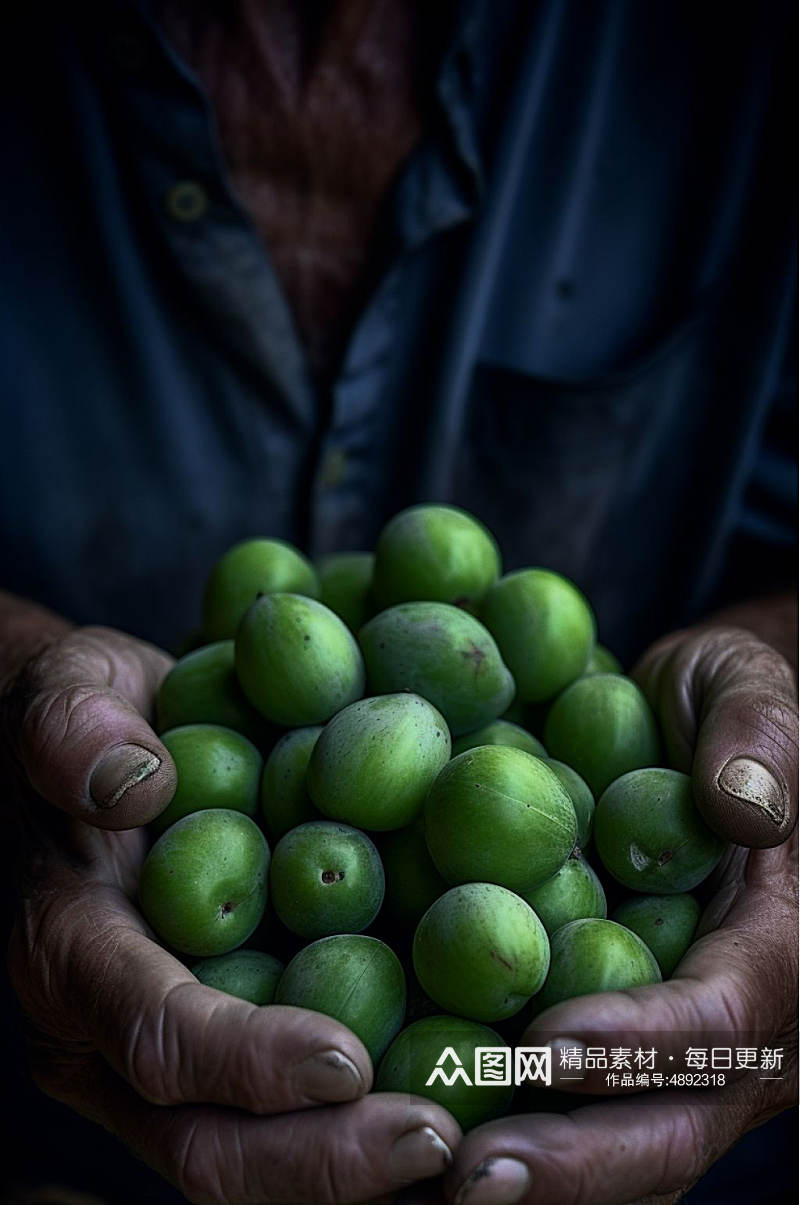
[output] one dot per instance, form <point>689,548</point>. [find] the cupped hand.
<point>727,704</point>
<point>231,1102</point>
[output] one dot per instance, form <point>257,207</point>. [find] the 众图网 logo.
<point>495,1066</point>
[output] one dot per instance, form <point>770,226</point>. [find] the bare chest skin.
<point>317,107</point>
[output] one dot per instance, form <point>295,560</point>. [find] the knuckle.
<point>197,1163</point>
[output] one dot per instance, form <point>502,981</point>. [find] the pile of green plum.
<point>432,750</point>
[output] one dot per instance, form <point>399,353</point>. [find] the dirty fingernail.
<point>752,783</point>
<point>419,1154</point>
<point>329,1075</point>
<point>495,1182</point>
<point>118,770</point>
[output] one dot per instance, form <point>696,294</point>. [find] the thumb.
<point>77,721</point>
<point>728,706</point>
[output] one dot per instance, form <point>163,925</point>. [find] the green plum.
<point>412,1057</point>
<point>297,662</point>
<point>248,974</point>
<point>573,892</point>
<point>326,878</point>
<point>355,979</point>
<point>602,661</point>
<point>345,580</point>
<point>595,955</point>
<point>442,653</point>
<point>665,923</point>
<point>375,761</point>
<point>650,836</point>
<point>202,688</point>
<point>500,732</point>
<point>602,727</point>
<point>544,628</point>
<point>217,768</point>
<point>412,880</point>
<point>578,791</point>
<point>285,801</point>
<point>245,572</point>
<point>435,553</point>
<point>481,952</point>
<point>203,885</point>
<point>497,814</point>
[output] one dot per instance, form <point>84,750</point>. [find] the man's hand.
<point>727,704</point>
<point>230,1102</point>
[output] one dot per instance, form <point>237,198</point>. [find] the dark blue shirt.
<point>580,330</point>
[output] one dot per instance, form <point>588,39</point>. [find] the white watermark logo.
<point>495,1066</point>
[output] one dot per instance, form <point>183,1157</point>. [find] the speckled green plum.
<point>602,661</point>
<point>375,761</point>
<point>500,732</point>
<point>602,726</point>
<point>203,885</point>
<point>442,653</point>
<point>245,572</point>
<point>217,768</point>
<point>202,688</point>
<point>355,979</point>
<point>650,836</point>
<point>412,1057</point>
<point>574,892</point>
<point>481,952</point>
<point>248,974</point>
<point>285,801</point>
<point>665,923</point>
<point>594,955</point>
<point>435,553</point>
<point>544,628</point>
<point>326,878</point>
<point>578,791</point>
<point>345,580</point>
<point>412,880</point>
<point>497,814</point>
<point>297,662</point>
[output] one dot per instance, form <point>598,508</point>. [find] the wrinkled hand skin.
<point>232,1103</point>
<point>722,696</point>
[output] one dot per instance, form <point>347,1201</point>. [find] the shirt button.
<point>186,201</point>
<point>333,468</point>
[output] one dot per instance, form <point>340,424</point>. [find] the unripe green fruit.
<point>665,923</point>
<point>202,688</point>
<point>217,768</point>
<point>602,661</point>
<point>245,572</point>
<point>375,761</point>
<point>650,835</point>
<point>602,727</point>
<point>500,732</point>
<point>582,798</point>
<point>595,956</point>
<point>285,801</point>
<point>357,980</point>
<point>345,580</point>
<point>297,662</point>
<point>412,880</point>
<point>544,628</point>
<point>203,885</point>
<point>498,815</point>
<point>326,878</point>
<point>247,974</point>
<point>441,653</point>
<point>411,1060</point>
<point>437,554</point>
<point>574,892</point>
<point>481,952</point>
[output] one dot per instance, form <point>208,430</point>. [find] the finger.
<point>336,1154</point>
<point>728,708</point>
<point>81,733</point>
<point>602,1154</point>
